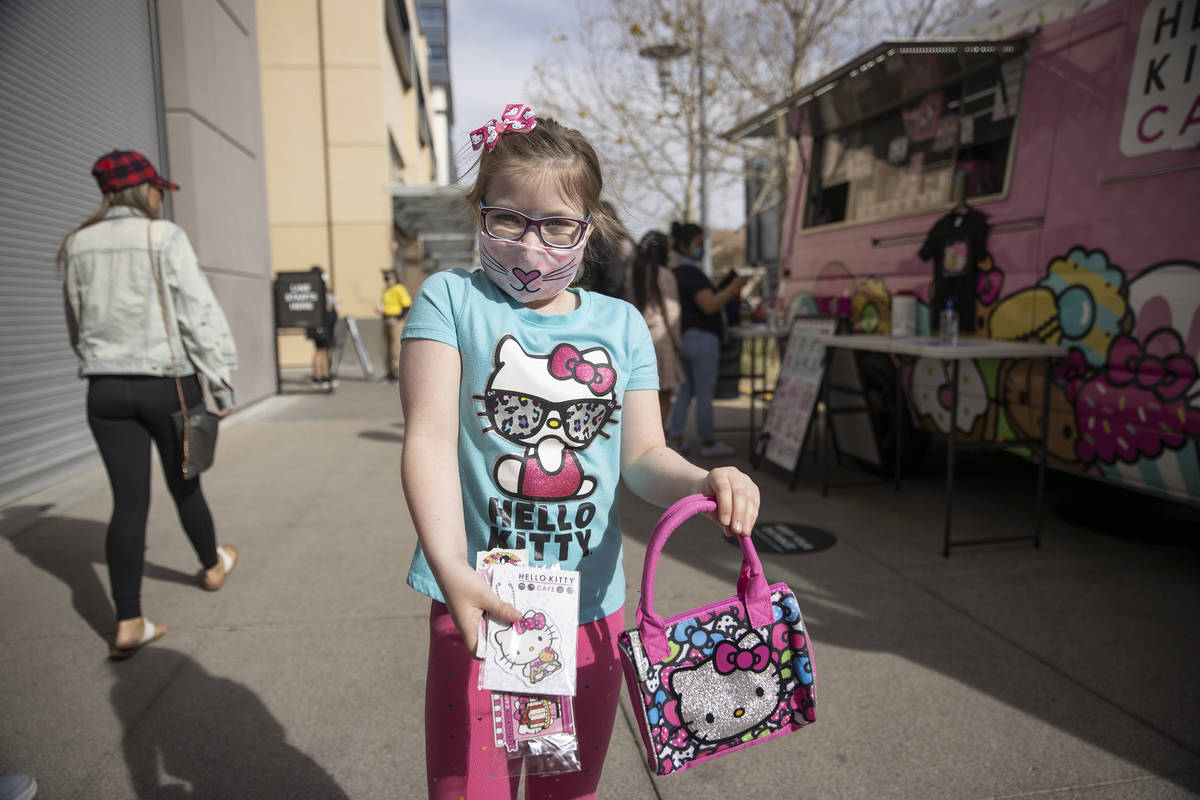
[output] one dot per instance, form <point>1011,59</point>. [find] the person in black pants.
<point>700,305</point>
<point>146,327</point>
<point>126,413</point>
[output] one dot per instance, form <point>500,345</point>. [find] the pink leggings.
<point>460,761</point>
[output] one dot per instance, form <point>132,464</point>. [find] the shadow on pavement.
<point>381,436</point>
<point>851,617</point>
<point>205,736</point>
<point>70,549</point>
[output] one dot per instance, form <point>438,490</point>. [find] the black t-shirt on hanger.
<point>956,243</point>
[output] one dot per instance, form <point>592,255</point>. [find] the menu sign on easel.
<point>796,391</point>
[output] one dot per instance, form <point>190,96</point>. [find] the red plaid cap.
<point>121,169</point>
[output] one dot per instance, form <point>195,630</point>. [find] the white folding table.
<point>967,347</point>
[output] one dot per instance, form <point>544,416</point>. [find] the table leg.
<point>898,402</point>
<point>1042,456</point>
<point>753,386</point>
<point>950,447</point>
<point>826,434</point>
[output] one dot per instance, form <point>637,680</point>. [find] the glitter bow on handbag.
<point>719,678</point>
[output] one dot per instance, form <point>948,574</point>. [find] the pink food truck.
<point>1043,170</point>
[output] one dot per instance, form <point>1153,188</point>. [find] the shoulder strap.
<point>162,306</point>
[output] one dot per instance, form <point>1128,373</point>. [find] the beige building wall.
<point>215,152</point>
<point>333,103</point>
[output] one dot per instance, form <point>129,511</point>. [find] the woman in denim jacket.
<point>113,264</point>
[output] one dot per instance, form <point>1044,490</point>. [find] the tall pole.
<point>707,261</point>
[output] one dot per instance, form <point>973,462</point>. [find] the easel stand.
<point>350,326</point>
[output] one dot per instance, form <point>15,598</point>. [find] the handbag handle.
<point>752,587</point>
<point>162,306</point>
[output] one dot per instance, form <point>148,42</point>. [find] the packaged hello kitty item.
<point>536,654</point>
<point>722,677</point>
<point>484,562</point>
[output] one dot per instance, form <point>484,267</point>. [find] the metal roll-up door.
<point>77,79</point>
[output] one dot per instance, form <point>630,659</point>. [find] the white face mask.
<point>529,272</point>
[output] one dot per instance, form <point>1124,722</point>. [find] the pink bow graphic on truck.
<point>728,657</point>
<point>566,363</point>
<point>516,117</point>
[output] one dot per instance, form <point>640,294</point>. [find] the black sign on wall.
<point>299,300</point>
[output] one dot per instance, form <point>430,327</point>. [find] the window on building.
<point>397,161</point>
<point>437,52</point>
<point>946,143</point>
<point>431,16</point>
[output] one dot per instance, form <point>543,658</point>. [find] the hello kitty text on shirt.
<point>553,406</point>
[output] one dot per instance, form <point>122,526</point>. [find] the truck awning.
<point>892,72</point>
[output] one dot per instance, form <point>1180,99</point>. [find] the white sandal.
<point>150,633</point>
<point>228,557</point>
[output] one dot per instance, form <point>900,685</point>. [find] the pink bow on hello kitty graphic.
<point>534,622</point>
<point>567,363</point>
<point>516,117</point>
<point>728,657</point>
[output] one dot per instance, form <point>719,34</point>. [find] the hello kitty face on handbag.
<point>730,693</point>
<point>528,646</point>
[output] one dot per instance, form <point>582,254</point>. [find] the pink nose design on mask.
<point>524,277</point>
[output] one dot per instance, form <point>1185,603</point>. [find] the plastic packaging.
<point>949,323</point>
<point>535,733</point>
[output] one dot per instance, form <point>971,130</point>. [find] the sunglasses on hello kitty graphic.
<point>521,415</point>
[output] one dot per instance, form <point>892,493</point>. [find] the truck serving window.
<point>912,151</point>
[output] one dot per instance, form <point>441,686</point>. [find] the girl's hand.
<point>468,597</point>
<point>737,500</point>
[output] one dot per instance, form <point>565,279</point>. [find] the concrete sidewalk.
<point>1065,672</point>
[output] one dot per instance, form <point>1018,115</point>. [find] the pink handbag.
<point>720,678</point>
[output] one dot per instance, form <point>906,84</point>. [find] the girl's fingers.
<point>492,604</point>
<point>724,494</point>
<point>737,500</point>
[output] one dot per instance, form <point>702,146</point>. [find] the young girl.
<point>551,398</point>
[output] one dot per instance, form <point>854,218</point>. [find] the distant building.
<point>432,15</point>
<point>346,116</point>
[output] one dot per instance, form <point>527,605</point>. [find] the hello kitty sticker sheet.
<point>536,654</point>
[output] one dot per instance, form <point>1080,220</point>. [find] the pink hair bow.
<point>533,622</point>
<point>516,117</point>
<point>729,657</point>
<point>566,363</point>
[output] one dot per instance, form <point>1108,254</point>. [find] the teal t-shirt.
<point>539,425</point>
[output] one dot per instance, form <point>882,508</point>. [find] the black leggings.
<point>125,412</point>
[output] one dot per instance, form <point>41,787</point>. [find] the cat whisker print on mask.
<point>563,270</point>
<point>489,262</point>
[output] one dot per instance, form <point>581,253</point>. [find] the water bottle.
<point>949,322</point>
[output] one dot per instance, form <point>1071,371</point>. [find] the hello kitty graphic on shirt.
<point>553,406</point>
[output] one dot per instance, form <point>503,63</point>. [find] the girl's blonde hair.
<point>133,196</point>
<point>550,150</point>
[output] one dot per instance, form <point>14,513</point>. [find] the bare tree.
<point>643,116</point>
